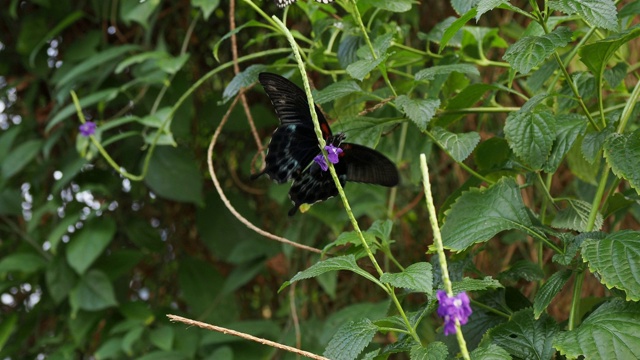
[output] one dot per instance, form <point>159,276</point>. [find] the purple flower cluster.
<point>87,129</point>
<point>452,309</point>
<point>333,154</point>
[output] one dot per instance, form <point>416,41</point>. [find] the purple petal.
<point>88,128</point>
<point>320,160</point>
<point>452,309</point>
<point>333,153</point>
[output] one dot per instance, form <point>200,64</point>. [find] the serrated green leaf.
<point>19,157</point>
<point>433,351</point>
<point>622,152</point>
<point>576,217</point>
<point>361,68</point>
<point>88,243</point>
<point>173,174</point>
<point>462,6</point>
<point>579,166</point>
<point>612,331</point>
<point>242,80</point>
<point>469,284</point>
<point>437,32</point>
<point>593,142</point>
<point>530,135</point>
<point>139,12</point>
<point>616,74</point>
<point>615,259</point>
<point>525,337</point>
<point>350,340</point>
<point>479,214</point>
<point>490,352</point>
<point>600,13</point>
<point>417,277</point>
<point>93,292</point>
<point>336,91</point>
<point>380,46</point>
<point>365,130</point>
<point>531,51</point>
<point>347,262</point>
<point>549,290</point>
<point>432,72</point>
<point>459,146</point>
<point>488,5</point>
<point>568,128</point>
<point>420,111</point>
<point>522,269</point>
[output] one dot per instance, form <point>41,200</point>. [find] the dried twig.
<point>176,318</point>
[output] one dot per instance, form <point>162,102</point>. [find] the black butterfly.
<point>294,145</point>
<point>284,3</point>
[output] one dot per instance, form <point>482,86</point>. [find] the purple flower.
<point>333,154</point>
<point>452,309</point>
<point>88,128</point>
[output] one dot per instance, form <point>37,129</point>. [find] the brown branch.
<point>176,318</point>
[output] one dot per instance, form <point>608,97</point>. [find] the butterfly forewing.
<point>366,165</point>
<point>294,143</point>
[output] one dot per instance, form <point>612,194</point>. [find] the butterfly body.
<point>294,145</point>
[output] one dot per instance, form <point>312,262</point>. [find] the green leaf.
<point>568,128</point>
<point>530,133</point>
<point>19,157</point>
<point>162,337</point>
<point>397,6</point>
<point>479,214</point>
<point>490,352</point>
<point>525,337</point>
<point>522,269</point>
<point>432,72</point>
<point>436,350</point>
<point>600,13</point>
<point>614,258</point>
<point>576,217</point>
<point>380,46</point>
<point>105,57</point>
<point>469,284</point>
<point>173,174</point>
<point>549,290</point>
<point>612,331</point>
<point>88,243</point>
<point>336,91</point>
<point>347,262</point>
<point>242,80</point>
<point>206,6</point>
<point>365,130</point>
<point>488,5</point>
<point>22,262</point>
<point>459,146</point>
<point>632,8</point>
<point>420,111</point>
<point>453,29</point>
<point>140,12</point>
<point>60,279</point>
<point>417,277</point>
<point>93,292</point>
<point>622,152</point>
<point>531,51</point>
<point>361,68</point>
<point>7,326</point>
<point>349,341</point>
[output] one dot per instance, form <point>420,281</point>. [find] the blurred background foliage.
<point>92,261</point>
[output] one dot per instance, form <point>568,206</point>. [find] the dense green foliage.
<point>526,111</point>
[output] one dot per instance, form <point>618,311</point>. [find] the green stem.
<point>490,309</point>
<point>332,170</point>
<point>575,301</point>
<point>437,239</point>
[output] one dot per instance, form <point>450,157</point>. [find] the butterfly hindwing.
<point>294,143</point>
<point>315,185</point>
<point>366,165</point>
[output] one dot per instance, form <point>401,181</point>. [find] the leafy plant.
<point>526,112</point>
